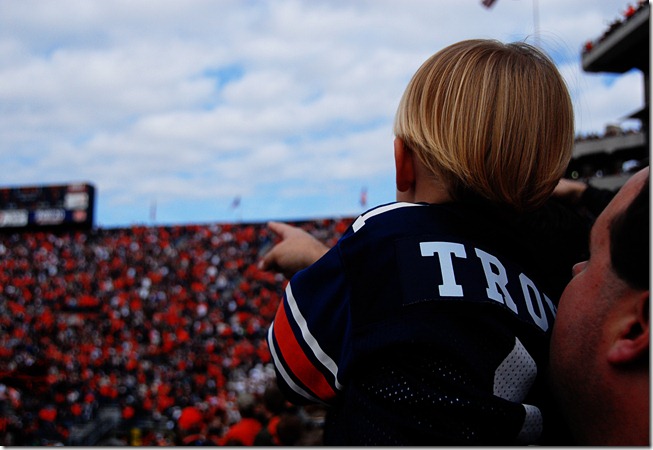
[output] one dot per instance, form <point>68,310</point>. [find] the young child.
<point>428,323</point>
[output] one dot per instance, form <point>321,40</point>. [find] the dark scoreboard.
<point>56,206</point>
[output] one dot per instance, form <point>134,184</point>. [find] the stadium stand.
<point>608,160</point>
<point>108,335</point>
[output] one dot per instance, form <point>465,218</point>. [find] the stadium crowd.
<point>610,131</point>
<point>630,11</point>
<point>165,326</point>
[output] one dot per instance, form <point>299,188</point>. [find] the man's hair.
<point>629,241</point>
<point>493,120</point>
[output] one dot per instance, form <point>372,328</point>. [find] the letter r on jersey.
<point>497,279</point>
<point>445,250</point>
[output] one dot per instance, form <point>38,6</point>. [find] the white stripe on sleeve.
<point>310,339</point>
<point>289,381</point>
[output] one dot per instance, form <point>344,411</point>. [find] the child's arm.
<point>296,251</point>
<point>309,337</point>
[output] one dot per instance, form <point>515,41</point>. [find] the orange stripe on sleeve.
<point>296,360</point>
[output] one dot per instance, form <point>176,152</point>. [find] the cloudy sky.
<point>196,111</point>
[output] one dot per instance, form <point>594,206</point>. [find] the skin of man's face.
<point>578,346</point>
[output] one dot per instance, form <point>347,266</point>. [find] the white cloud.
<point>288,103</point>
<point>610,103</point>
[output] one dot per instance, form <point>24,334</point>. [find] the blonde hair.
<point>492,120</point>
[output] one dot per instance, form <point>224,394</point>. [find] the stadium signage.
<point>16,218</point>
<point>49,216</point>
<point>55,206</point>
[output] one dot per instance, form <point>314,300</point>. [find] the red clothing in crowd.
<point>243,432</point>
<point>150,317</point>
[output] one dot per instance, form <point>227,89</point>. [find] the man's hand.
<point>569,191</point>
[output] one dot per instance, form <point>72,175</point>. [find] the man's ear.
<point>632,341</point>
<point>404,168</point>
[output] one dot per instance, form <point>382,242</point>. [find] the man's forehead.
<point>627,193</point>
<point>619,203</point>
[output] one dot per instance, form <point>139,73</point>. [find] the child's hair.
<point>493,120</point>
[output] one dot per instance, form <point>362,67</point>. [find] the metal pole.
<point>536,23</point>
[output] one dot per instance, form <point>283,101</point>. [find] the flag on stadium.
<point>364,197</point>
<point>153,211</point>
<point>236,202</point>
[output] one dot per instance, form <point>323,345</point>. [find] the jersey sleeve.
<point>309,337</point>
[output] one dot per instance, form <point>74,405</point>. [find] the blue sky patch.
<point>225,75</point>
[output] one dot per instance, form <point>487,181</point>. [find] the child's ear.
<point>631,342</point>
<point>404,168</point>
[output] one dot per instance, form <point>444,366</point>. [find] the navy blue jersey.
<point>424,325</point>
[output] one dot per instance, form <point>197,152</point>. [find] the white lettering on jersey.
<point>444,250</point>
<point>498,279</point>
<point>550,304</point>
<point>527,287</point>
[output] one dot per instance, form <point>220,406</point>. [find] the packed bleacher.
<point>113,336</point>
<point>610,131</point>
<point>616,152</point>
<point>626,15</point>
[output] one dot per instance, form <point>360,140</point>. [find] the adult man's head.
<point>600,343</point>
